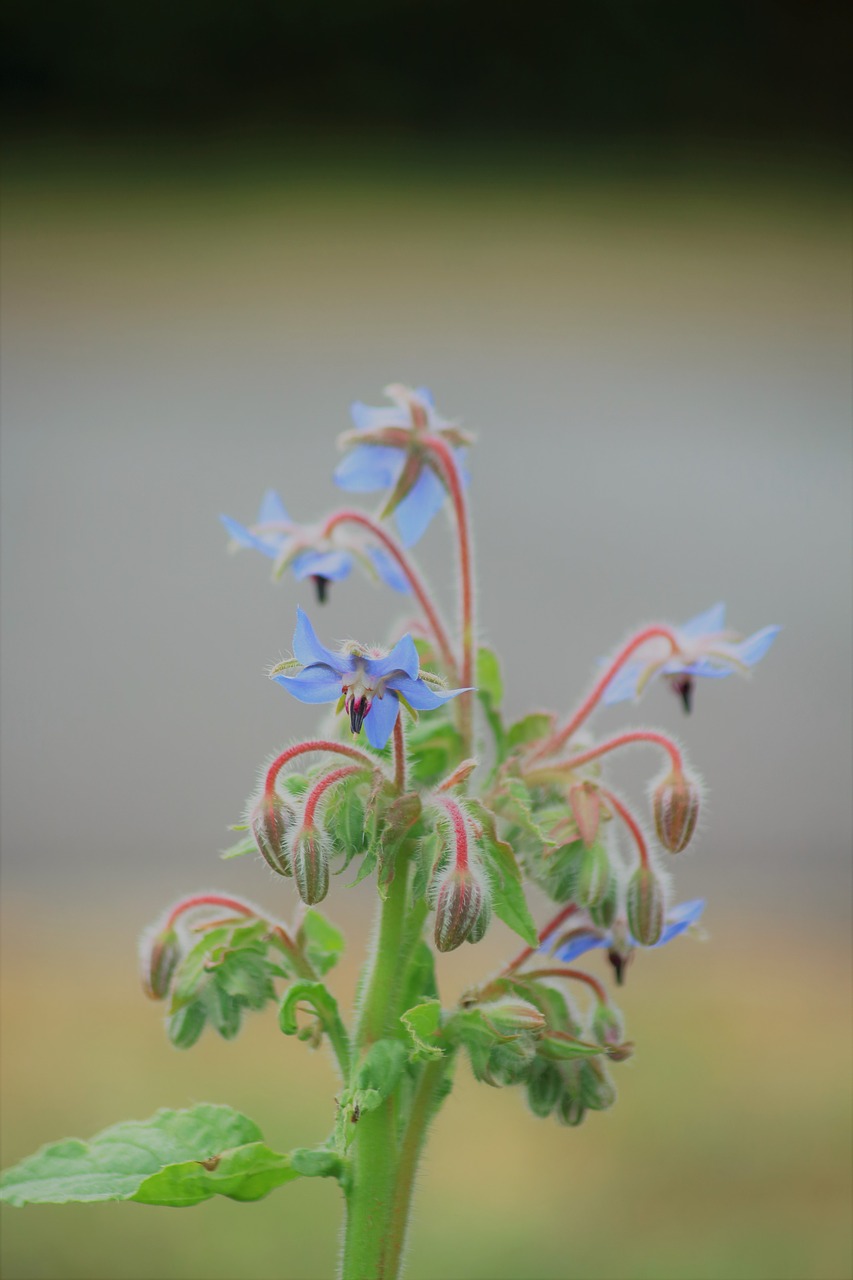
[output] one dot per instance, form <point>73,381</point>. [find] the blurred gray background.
<point>658,375</point>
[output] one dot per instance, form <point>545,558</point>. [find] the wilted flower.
<point>584,939</point>
<point>368,683</point>
<point>308,551</point>
<point>387,451</point>
<point>706,648</point>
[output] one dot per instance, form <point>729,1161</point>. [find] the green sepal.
<point>175,1158</point>
<point>317,1162</point>
<point>558,1048</point>
<point>423,1023</point>
<point>240,849</point>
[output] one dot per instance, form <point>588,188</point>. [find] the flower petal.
<point>381,718</point>
<point>367,418</point>
<point>272,510</point>
<point>317,683</point>
<point>368,467</point>
<point>419,695</point>
<point>307,648</point>
<point>420,504</point>
<point>709,623</point>
<point>753,649</point>
<point>681,918</point>
<point>388,570</point>
<point>403,657</point>
<point>334,565</point>
<point>580,945</point>
<point>623,686</point>
<point>269,544</point>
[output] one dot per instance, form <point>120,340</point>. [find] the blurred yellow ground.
<point>727,1156</point>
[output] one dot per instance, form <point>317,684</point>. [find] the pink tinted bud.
<point>159,956</point>
<point>645,905</point>
<point>310,861</point>
<point>675,803</point>
<point>586,808</point>
<point>271,821</point>
<point>459,908</point>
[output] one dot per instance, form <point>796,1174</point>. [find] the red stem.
<point>543,934</point>
<point>460,832</point>
<point>417,583</point>
<point>444,454</point>
<point>630,822</point>
<point>621,740</point>
<point>589,703</point>
<point>230,904</point>
<point>319,788</point>
<point>577,975</point>
<point>399,753</point>
<point>317,744</point>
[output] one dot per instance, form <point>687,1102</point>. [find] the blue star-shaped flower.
<point>385,452</point>
<point>706,648</point>
<point>369,685</point>
<point>617,938</point>
<point>307,552</point>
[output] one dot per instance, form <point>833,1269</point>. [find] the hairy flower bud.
<point>544,1087</point>
<point>603,912</point>
<point>271,821</point>
<point>597,1090</point>
<point>159,954</point>
<point>310,862</point>
<point>607,1026</point>
<point>460,905</point>
<point>675,803</point>
<point>645,905</point>
<point>593,876</point>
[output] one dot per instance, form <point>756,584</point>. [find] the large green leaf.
<point>176,1158</point>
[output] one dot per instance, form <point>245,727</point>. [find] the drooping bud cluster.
<point>675,804</point>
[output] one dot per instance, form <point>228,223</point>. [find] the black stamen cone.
<point>620,963</point>
<point>322,585</point>
<point>358,709</point>
<point>684,686</point>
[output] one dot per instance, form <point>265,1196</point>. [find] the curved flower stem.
<point>460,830</point>
<point>590,702</point>
<point>320,788</point>
<point>450,471</point>
<point>317,744</point>
<point>281,936</point>
<point>399,754</point>
<point>630,822</point>
<point>549,928</point>
<point>611,744</point>
<point>419,588</point>
<point>576,975</point>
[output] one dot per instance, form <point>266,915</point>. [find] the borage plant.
<point>450,814</point>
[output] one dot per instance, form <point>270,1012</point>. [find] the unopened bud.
<point>516,1018</point>
<point>593,876</point>
<point>586,807</point>
<point>603,912</point>
<point>310,861</point>
<point>570,1108</point>
<point>461,902</point>
<point>597,1090</point>
<point>270,822</point>
<point>159,956</point>
<point>676,807</point>
<point>645,905</point>
<point>544,1088</point>
<point>607,1026</point>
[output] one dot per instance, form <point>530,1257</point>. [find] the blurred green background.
<point>614,240</point>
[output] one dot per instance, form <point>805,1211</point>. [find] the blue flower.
<point>617,938</point>
<point>309,552</point>
<point>368,684</point>
<point>387,451</point>
<point>706,648</point>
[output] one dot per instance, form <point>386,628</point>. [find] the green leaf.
<point>423,1023</point>
<point>434,747</point>
<point>321,1001</point>
<point>517,801</point>
<point>489,682</point>
<point>316,1162</point>
<point>186,1024</point>
<point>529,729</point>
<point>240,849</point>
<point>321,942</point>
<point>380,1072</point>
<point>420,983</point>
<point>176,1158</point>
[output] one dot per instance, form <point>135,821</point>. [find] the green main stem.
<point>373,1241</point>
